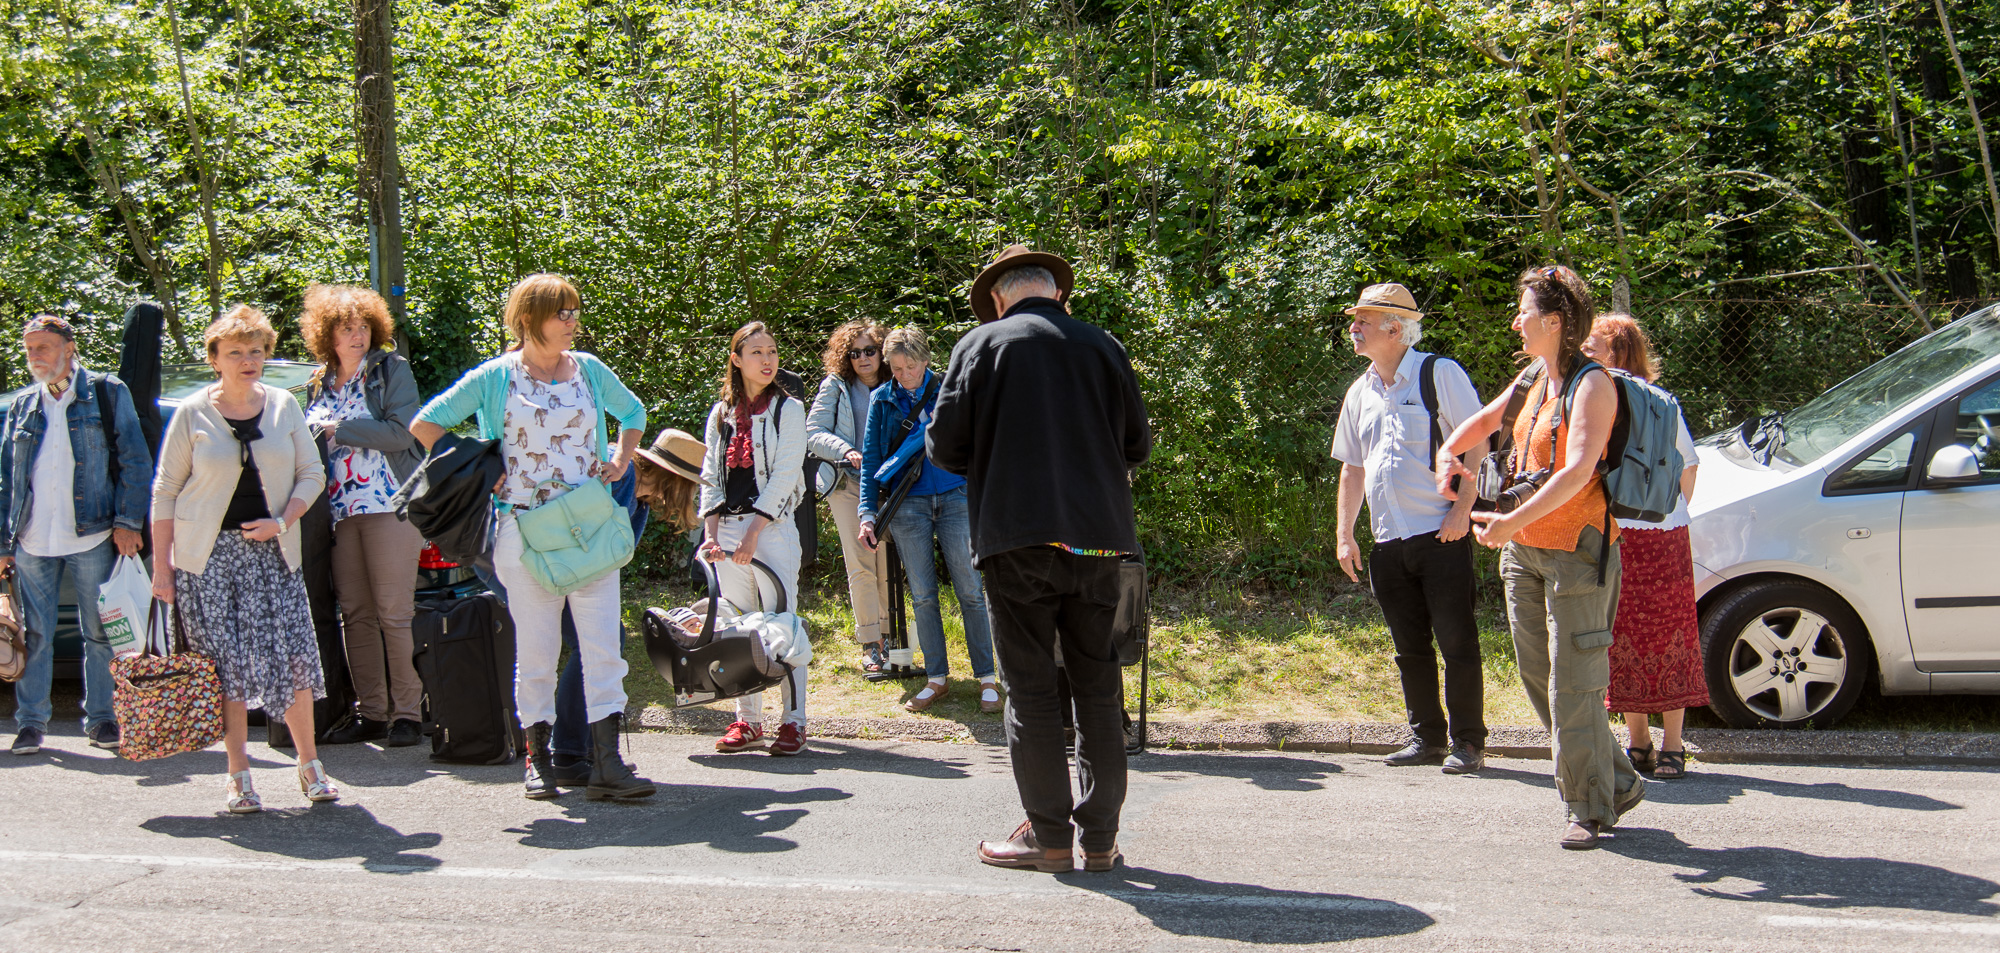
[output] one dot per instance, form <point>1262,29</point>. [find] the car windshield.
<point>179,381</point>
<point>1817,427</point>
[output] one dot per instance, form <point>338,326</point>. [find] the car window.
<point>1887,468</point>
<point>1822,424</point>
<point>1978,427</point>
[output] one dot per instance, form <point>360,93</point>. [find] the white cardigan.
<point>778,445</point>
<point>201,462</point>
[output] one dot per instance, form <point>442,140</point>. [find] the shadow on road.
<point>738,820</point>
<point>160,772</point>
<point>322,832</point>
<point>1270,772</point>
<point>1708,787</point>
<point>1810,880</point>
<point>833,756</point>
<point>1187,906</point>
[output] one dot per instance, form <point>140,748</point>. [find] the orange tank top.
<point>1560,528</point>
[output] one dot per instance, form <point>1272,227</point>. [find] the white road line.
<point>1263,901</point>
<point>1889,926</point>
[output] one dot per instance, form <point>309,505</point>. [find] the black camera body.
<point>1501,490</point>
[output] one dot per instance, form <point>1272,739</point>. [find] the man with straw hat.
<point>1395,416</point>
<point>1041,414</point>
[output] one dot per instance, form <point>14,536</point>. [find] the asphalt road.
<point>869,845</point>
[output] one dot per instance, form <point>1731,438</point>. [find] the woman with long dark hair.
<point>1560,555</point>
<point>753,468</point>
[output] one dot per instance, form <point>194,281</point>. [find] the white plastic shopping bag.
<point>122,604</point>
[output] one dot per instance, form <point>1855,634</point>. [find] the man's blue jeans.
<point>40,585</point>
<point>943,517</point>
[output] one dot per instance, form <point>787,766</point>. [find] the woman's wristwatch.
<point>282,525</point>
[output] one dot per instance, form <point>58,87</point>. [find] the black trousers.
<point>1425,588</point>
<point>1042,599</point>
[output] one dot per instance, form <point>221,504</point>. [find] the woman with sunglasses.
<point>853,362</point>
<point>1561,600</point>
<point>546,405</point>
<point>237,470</point>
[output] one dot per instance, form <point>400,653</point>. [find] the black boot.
<point>541,764</point>
<point>610,776</point>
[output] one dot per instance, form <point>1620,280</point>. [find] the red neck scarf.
<point>740,453</point>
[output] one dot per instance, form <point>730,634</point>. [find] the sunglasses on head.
<point>856,354</point>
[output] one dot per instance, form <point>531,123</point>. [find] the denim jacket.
<point>100,505</point>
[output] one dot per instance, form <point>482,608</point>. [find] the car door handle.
<point>1859,532</point>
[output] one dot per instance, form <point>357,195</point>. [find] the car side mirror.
<point>1953,463</point>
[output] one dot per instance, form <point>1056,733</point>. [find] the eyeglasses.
<point>859,353</point>
<point>568,315</point>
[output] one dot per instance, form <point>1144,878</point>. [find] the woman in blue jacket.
<point>546,405</point>
<point>934,508</point>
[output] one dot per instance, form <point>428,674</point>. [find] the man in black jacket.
<point>1041,414</point>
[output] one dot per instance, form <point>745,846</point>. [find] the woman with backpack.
<point>753,478</point>
<point>853,362</point>
<point>1562,573</point>
<point>934,508</point>
<point>1656,643</point>
<point>546,405</point>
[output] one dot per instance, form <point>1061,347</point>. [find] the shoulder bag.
<point>576,538</point>
<point>13,646</point>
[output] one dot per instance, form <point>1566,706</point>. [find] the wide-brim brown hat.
<point>679,452</point>
<point>1012,257</point>
<point>1390,297</point>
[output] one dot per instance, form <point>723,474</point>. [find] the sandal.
<point>932,693</point>
<point>1672,767</point>
<point>314,783</point>
<point>242,798</point>
<point>872,659</point>
<point>1642,760</point>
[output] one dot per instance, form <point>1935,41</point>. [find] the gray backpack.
<point>1642,461</point>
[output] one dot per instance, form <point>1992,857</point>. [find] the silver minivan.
<point>1857,535</point>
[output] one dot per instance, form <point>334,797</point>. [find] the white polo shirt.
<point>1386,431</point>
<point>51,529</point>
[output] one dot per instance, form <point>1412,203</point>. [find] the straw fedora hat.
<point>1390,297</point>
<point>679,452</point>
<point>1010,258</point>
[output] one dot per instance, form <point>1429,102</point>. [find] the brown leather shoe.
<point>1582,835</point>
<point>1021,851</point>
<point>923,704</point>
<point>1100,861</point>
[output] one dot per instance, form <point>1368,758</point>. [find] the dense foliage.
<point>1224,172</point>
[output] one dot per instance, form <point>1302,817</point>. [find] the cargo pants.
<point>1561,619</point>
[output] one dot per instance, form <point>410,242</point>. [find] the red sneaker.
<point>791,740</point>
<point>740,735</point>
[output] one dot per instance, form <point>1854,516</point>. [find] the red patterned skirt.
<point>1656,642</point>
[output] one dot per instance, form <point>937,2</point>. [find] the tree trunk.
<point>380,176</point>
<point>1978,127</point>
<point>1961,276</point>
<point>204,171</point>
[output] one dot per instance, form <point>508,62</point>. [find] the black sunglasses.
<point>858,353</point>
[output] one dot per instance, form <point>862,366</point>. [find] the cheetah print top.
<point>548,437</point>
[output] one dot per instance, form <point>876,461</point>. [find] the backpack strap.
<point>1517,398</point>
<point>1562,412</point>
<point>1427,385</point>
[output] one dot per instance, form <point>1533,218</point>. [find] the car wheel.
<point>1783,654</point>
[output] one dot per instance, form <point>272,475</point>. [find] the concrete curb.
<point>1716,746</point>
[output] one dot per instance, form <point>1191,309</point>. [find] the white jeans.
<point>537,616</point>
<point>747,589</point>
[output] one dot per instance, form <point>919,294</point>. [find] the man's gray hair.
<point>1026,281</point>
<point>909,342</point>
<point>1413,328</point>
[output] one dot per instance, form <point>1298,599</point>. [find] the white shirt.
<point>51,529</point>
<point>1684,442</point>
<point>1386,431</point>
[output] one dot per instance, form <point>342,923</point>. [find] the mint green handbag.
<point>576,538</point>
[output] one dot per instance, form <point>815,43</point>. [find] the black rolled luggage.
<point>465,656</point>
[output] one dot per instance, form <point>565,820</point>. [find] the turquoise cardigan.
<point>483,392</point>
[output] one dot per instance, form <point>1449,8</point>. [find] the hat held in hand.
<point>1010,258</point>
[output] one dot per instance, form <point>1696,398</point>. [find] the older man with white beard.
<point>77,482</point>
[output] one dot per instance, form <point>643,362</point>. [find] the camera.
<point>1501,490</point>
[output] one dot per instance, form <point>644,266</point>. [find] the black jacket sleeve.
<point>948,439</point>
